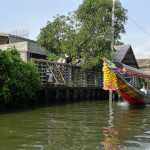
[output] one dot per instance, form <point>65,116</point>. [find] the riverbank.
<point>58,95</point>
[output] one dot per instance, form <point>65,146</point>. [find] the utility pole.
<point>112,42</point>
<point>112,26</point>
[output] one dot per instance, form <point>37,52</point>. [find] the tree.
<point>19,80</point>
<point>87,31</point>
<point>55,36</point>
<point>96,18</point>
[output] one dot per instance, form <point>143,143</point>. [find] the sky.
<point>138,27</point>
<point>32,15</point>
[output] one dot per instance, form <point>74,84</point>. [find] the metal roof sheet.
<point>32,45</point>
<point>34,48</point>
<point>143,62</point>
<point>120,52</point>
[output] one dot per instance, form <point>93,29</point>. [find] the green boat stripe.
<point>132,87</point>
<point>133,95</point>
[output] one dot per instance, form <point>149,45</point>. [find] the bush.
<point>19,80</point>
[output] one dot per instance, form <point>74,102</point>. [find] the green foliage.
<point>19,80</point>
<point>119,43</point>
<point>52,36</point>
<point>144,81</point>
<point>85,33</point>
<point>53,57</point>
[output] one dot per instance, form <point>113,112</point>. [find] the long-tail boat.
<point>114,79</point>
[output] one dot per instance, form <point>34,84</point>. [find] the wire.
<point>141,28</point>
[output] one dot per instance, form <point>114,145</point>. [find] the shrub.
<point>19,80</point>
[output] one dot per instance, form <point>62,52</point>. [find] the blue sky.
<point>34,14</point>
<point>138,27</point>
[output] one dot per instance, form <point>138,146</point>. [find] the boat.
<point>114,79</point>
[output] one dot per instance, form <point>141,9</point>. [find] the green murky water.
<point>88,125</point>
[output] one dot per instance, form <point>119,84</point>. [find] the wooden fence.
<point>59,74</point>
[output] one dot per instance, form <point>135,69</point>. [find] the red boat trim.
<point>140,97</point>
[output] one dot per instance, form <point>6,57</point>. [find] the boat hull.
<point>130,93</point>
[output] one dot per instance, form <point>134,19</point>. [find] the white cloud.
<point>142,51</point>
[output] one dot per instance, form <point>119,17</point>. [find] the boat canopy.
<point>136,72</point>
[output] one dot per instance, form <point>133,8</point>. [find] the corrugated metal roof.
<point>121,51</point>
<point>34,48</point>
<point>143,62</point>
<point>14,38</point>
<point>124,54</point>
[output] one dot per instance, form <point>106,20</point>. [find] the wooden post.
<point>57,95</point>
<point>75,94</point>
<point>69,72</point>
<point>84,79</point>
<point>67,95</point>
<point>118,96</point>
<point>81,94</point>
<point>110,95</point>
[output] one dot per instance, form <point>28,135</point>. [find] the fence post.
<point>84,78</point>
<point>70,82</point>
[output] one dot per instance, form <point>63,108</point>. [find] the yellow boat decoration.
<point>113,79</point>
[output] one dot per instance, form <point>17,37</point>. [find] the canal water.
<point>86,125</point>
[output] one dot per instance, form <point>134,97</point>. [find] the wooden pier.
<point>64,82</point>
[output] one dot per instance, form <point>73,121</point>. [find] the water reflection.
<point>131,122</point>
<point>128,127</point>
<point>79,126</point>
<point>111,140</point>
<point>134,121</point>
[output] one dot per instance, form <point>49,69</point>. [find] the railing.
<point>59,74</point>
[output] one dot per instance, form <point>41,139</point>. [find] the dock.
<point>66,82</point>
